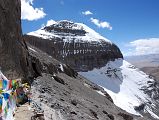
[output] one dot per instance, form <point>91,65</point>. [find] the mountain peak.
<point>68,31</point>
<point>65,24</point>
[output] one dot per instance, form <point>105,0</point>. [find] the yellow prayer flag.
<point>1,82</point>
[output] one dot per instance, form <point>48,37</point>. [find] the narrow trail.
<point>24,112</point>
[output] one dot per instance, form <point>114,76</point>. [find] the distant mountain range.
<point>151,60</point>
<point>147,63</point>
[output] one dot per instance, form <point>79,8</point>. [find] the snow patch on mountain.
<point>89,36</point>
<point>43,34</point>
<point>123,82</point>
<point>91,33</point>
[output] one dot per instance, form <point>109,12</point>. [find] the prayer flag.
<point>1,87</point>
<point>6,96</point>
<point>5,81</point>
<point>14,82</point>
<point>10,84</point>
<point>1,102</point>
<point>5,84</point>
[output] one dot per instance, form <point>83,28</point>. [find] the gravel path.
<point>24,112</point>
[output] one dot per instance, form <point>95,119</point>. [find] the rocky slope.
<point>75,44</point>
<point>63,95</point>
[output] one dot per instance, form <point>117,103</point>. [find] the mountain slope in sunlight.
<point>125,84</point>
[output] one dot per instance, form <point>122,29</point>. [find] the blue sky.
<point>135,23</point>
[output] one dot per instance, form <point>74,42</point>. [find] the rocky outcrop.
<point>13,51</point>
<point>41,62</point>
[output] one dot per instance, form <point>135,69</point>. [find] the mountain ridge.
<point>150,60</point>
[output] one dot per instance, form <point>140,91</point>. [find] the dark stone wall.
<point>13,50</point>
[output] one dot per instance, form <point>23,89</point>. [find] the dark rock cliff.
<point>13,51</point>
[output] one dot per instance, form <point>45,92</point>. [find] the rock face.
<point>43,63</point>
<point>74,44</point>
<point>13,52</point>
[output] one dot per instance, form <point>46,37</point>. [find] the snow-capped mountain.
<point>68,32</point>
<point>75,44</point>
<point>99,60</point>
<point>126,84</point>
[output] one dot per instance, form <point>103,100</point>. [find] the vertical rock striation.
<point>74,44</point>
